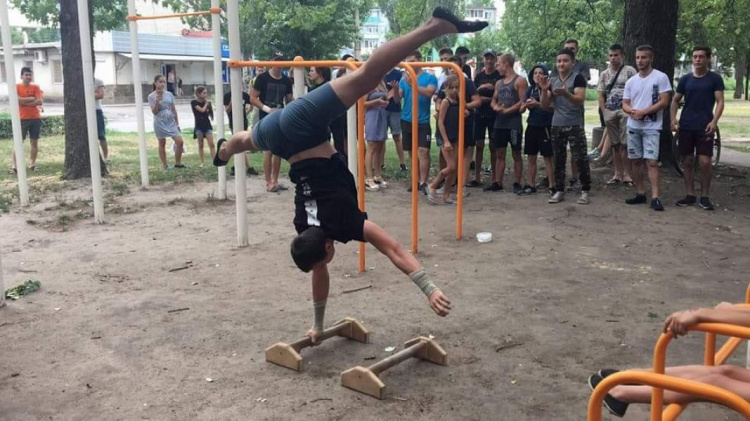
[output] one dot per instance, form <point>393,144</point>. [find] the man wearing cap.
<point>485,81</point>
<point>269,93</point>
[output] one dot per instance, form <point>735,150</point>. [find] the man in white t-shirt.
<point>646,96</point>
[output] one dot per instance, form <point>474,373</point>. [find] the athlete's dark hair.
<point>616,47</point>
<point>309,248</point>
<point>706,50</point>
<point>445,50</point>
<point>325,72</point>
<point>456,59</point>
<point>571,41</point>
<point>462,50</point>
<point>416,54</point>
<point>26,70</point>
<point>568,53</point>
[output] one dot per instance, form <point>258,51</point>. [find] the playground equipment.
<point>287,355</point>
<point>365,379</point>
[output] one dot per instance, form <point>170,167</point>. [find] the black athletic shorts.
<point>482,125</point>
<point>301,125</point>
<point>538,141</point>
<point>32,128</point>
<point>326,197</point>
<point>424,135</point>
<point>502,137</point>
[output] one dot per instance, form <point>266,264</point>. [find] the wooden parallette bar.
<point>287,355</point>
<point>366,380</point>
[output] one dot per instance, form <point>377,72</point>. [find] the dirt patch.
<point>561,291</point>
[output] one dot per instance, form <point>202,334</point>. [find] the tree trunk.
<point>77,163</point>
<point>654,22</point>
<point>739,73</point>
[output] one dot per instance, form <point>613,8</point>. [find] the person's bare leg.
<point>34,151</point>
<point>211,147</point>
<point>105,149</point>
<point>499,170</point>
<point>381,154</point>
<point>619,165</point>
<point>353,86</point>
<point>441,161</point>
<point>275,169</point>
<point>424,164</point>
<point>549,168</point>
<point>517,166</point>
<point>163,152</point>
<point>369,159</point>
<point>705,163</point>
<point>468,156</point>
<point>638,176</point>
<point>653,177</point>
<point>267,169</point>
<point>399,149</point>
<point>532,169</point>
<point>201,153</point>
<point>688,174</point>
<point>377,159</point>
<point>493,162</point>
<point>478,160</point>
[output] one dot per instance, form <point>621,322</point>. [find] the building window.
<point>57,71</point>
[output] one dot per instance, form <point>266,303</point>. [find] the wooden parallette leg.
<point>366,380</point>
<point>287,355</point>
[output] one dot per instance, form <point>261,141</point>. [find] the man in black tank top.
<point>507,102</point>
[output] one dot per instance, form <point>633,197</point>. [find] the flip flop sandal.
<point>283,187</point>
<point>274,189</point>
<point>433,200</point>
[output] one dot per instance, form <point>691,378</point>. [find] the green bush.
<point>53,125</point>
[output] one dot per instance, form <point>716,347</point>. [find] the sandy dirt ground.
<point>571,288</point>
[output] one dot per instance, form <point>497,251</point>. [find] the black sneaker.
<point>636,200</point>
<point>605,372</point>
<point>250,171</point>
<point>656,204</point>
<point>527,189</point>
<point>494,187</point>
<point>423,188</point>
<point>180,166</point>
<point>705,203</point>
<point>517,188</point>
<point>473,184</point>
<point>687,201</point>
<point>403,168</point>
<point>544,184</point>
<point>615,406</point>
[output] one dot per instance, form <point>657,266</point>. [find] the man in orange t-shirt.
<point>29,101</point>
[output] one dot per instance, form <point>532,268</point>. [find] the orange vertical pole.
<point>461,143</point>
<point>710,353</point>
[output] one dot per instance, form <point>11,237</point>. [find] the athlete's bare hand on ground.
<point>439,303</point>
<point>314,335</point>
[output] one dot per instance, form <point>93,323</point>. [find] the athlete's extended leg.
<point>354,85</point>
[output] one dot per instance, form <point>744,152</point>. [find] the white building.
<point>163,45</point>
<point>374,31</point>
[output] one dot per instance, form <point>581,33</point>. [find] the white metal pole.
<point>351,136</point>
<point>299,79</point>
<point>138,91</point>
<point>219,96</point>
<point>90,102</point>
<point>2,283</point>
<point>10,72</point>
<point>238,117</point>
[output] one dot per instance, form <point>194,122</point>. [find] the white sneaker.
<point>557,197</point>
<point>371,186</point>
<point>381,183</point>
<point>584,199</point>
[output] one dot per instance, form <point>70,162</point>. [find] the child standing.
<point>203,113</point>
<point>448,118</point>
<point>376,131</point>
<point>166,123</point>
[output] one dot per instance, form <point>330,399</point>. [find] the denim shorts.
<point>643,144</point>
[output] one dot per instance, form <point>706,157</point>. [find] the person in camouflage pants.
<point>576,136</point>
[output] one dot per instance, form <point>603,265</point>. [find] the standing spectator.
<point>376,131</point>
<point>702,89</point>
<point>444,54</point>
<point>270,92</point>
<point>247,107</point>
<point>611,89</point>
<point>171,80</point>
<point>318,76</point>
<point>179,87</point>
<point>101,129</point>
<point>509,97</point>
<point>485,81</point>
<point>448,118</point>
<point>645,96</point>
<point>463,53</point>
<point>203,113</point>
<point>427,85</point>
<point>394,116</point>
<point>166,123</point>
<point>538,131</point>
<point>566,93</point>
<point>30,98</point>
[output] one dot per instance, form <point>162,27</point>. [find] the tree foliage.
<point>108,14</point>
<point>535,30</point>
<point>405,15</point>
<point>723,25</point>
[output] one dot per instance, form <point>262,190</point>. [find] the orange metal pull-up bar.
<point>213,10</point>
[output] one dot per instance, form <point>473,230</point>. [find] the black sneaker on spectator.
<point>687,201</point>
<point>544,184</point>
<point>656,204</point>
<point>615,406</point>
<point>250,171</point>
<point>527,189</point>
<point>705,203</point>
<point>403,168</point>
<point>423,188</point>
<point>517,188</point>
<point>493,187</point>
<point>636,200</point>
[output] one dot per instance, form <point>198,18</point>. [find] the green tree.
<point>63,14</point>
<point>405,15</point>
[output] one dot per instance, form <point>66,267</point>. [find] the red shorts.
<point>695,142</point>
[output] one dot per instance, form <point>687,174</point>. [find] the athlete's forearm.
<point>733,316</point>
<point>320,283</point>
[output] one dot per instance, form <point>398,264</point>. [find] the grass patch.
<point>737,146</point>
